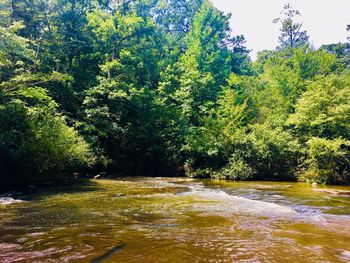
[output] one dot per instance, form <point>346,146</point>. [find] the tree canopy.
<point>157,87</point>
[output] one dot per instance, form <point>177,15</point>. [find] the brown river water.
<point>177,220</point>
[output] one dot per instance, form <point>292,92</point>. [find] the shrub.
<point>236,169</point>
<point>37,146</point>
<point>327,161</point>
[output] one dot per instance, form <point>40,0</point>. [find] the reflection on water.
<point>178,220</point>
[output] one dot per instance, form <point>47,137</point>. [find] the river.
<point>177,220</point>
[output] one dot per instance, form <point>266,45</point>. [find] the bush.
<point>270,151</point>
<point>261,152</point>
<point>236,169</point>
<point>37,146</point>
<point>327,161</point>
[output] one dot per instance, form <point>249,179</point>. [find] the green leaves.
<point>36,146</point>
<point>14,50</point>
<point>163,87</point>
<point>324,109</point>
<point>328,161</point>
<point>237,108</point>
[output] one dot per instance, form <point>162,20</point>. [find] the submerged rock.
<point>109,253</point>
<point>333,191</point>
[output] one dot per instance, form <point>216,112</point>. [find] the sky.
<point>324,20</point>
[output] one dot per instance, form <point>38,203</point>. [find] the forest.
<point>166,88</point>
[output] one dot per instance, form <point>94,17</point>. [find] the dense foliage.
<point>155,87</point>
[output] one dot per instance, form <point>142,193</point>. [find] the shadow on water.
<point>108,254</point>
<point>68,187</point>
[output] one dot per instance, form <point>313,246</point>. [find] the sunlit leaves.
<point>324,109</point>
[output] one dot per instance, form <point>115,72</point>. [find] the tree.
<point>240,60</point>
<point>292,35</point>
<point>204,67</point>
<point>341,50</point>
<point>123,119</point>
<point>284,79</point>
<point>321,120</point>
<point>161,87</point>
<point>36,143</point>
<point>176,18</point>
<point>236,105</point>
<point>324,109</point>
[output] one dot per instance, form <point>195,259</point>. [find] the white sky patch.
<point>324,20</point>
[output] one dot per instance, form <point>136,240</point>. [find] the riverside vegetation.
<point>154,87</point>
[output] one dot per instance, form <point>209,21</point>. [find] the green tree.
<point>176,18</point>
<point>204,67</point>
<point>285,76</point>
<point>323,110</point>
<point>36,143</point>
<point>321,119</point>
<point>341,50</point>
<point>124,120</point>
<point>292,34</point>
<point>202,70</point>
<point>240,60</point>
